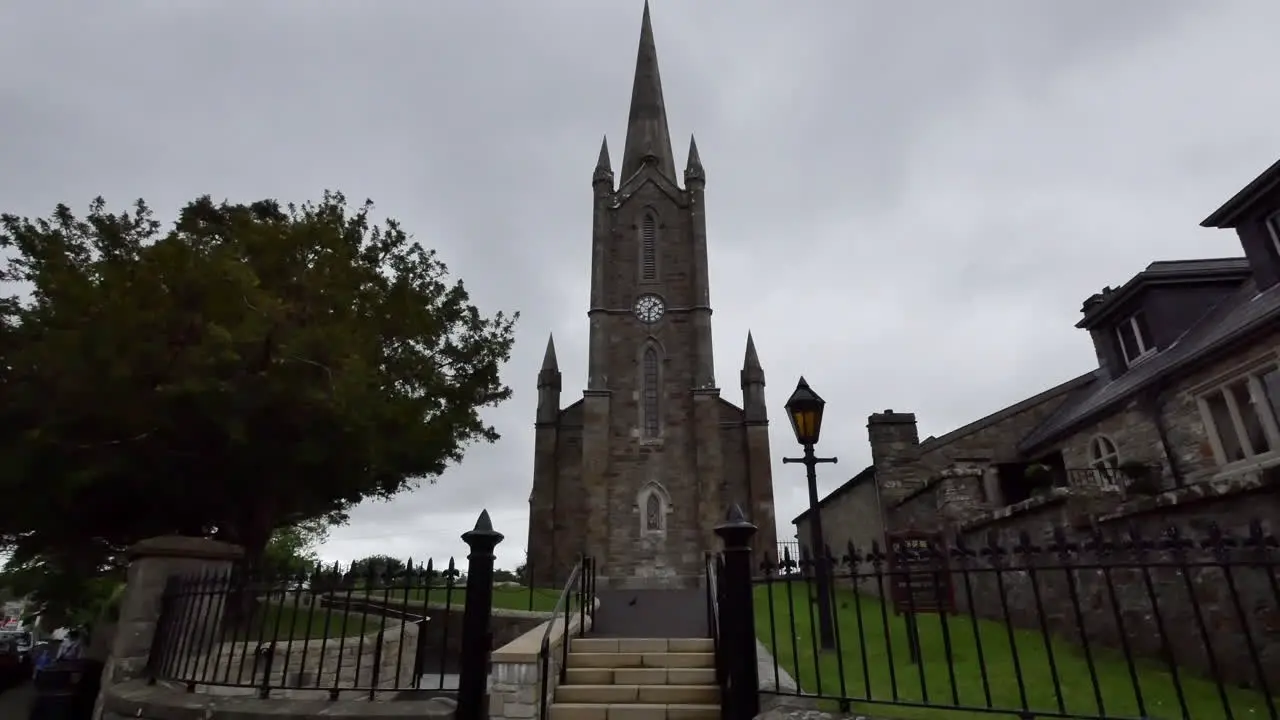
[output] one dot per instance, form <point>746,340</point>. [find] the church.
<point>639,471</point>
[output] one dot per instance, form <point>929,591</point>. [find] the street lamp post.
<point>804,408</point>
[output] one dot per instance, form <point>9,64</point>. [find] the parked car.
<point>11,665</point>
<point>23,643</point>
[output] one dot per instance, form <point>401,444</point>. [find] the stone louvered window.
<point>649,247</point>
<point>650,394</point>
<point>1242,416</point>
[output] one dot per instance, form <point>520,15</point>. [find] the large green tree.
<point>252,367</point>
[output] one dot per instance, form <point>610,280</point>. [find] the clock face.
<point>649,308</point>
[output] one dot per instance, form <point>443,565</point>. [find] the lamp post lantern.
<point>804,409</point>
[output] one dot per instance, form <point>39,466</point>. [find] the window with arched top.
<point>652,505</point>
<point>653,513</point>
<point>650,395</point>
<point>649,247</point>
<point>1104,458</point>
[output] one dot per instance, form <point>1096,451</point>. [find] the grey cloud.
<point>906,202</point>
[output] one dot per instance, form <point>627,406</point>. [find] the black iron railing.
<point>328,629</point>
<point>788,552</point>
<point>714,565</point>
<point>577,596</point>
<point>1081,624</point>
<point>333,632</point>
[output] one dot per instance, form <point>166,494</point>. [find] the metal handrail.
<point>713,618</point>
<point>544,650</point>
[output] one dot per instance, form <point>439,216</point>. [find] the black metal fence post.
<point>476,641</point>
<point>737,620</point>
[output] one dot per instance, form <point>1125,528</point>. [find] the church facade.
<point>639,471</point>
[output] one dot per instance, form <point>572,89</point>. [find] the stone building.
<point>639,471</point>
<point>1181,414</point>
<point>1177,426</point>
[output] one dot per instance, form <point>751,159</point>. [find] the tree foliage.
<point>292,549</point>
<point>254,367</point>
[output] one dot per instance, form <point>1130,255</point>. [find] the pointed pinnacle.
<point>549,359</point>
<point>735,514</point>
<point>752,360</point>
<point>693,171</point>
<point>603,163</point>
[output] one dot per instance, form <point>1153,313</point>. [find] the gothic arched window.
<point>653,513</point>
<point>649,247</point>
<point>650,368</point>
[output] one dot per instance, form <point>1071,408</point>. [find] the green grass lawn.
<point>281,622</point>
<point>506,598</point>
<point>866,666</point>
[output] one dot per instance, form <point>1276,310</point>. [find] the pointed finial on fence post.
<point>477,609</point>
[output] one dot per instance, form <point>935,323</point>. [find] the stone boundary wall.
<point>443,633</point>
<point>1229,504</point>
<point>515,674</point>
<point>342,662</point>
<point>136,700</point>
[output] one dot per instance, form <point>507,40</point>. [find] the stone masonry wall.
<point>905,466</point>
<point>558,503</point>
<point>356,661</point>
<point>442,637</point>
<point>515,677</point>
<point>1133,430</point>
<point>852,517</point>
<point>140,700</point>
<point>1230,504</point>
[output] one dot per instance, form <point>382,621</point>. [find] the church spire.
<point>648,139</point>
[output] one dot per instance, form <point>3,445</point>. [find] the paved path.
<point>651,614</point>
<point>14,702</point>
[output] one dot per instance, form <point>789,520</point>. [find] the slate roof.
<point>1235,318</point>
<point>1162,271</point>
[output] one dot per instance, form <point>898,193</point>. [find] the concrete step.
<point>640,676</point>
<point>632,711</point>
<point>639,694</point>
<point>615,660</point>
<point>641,645</point>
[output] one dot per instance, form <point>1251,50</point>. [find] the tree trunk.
<point>252,532</point>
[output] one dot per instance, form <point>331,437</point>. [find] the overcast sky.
<point>906,202</point>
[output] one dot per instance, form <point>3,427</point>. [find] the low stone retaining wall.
<point>443,633</point>
<point>331,662</point>
<point>136,700</point>
<point>515,674</point>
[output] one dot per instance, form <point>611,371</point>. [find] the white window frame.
<point>1266,417</point>
<point>1145,350</point>
<point>1105,464</point>
<point>1273,228</point>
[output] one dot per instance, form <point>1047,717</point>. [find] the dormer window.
<point>1135,339</point>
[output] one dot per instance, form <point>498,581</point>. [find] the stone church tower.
<point>639,471</point>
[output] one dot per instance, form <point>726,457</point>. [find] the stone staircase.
<point>638,679</point>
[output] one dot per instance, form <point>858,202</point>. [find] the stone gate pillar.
<point>151,563</point>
